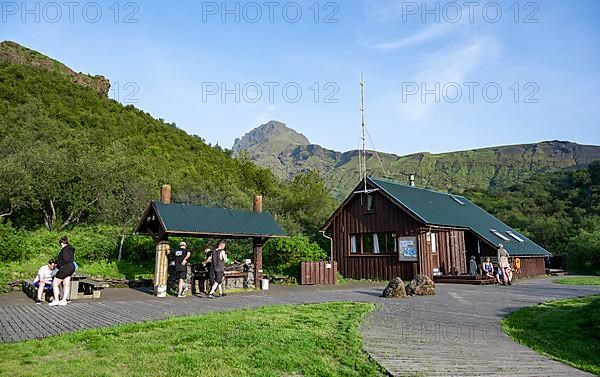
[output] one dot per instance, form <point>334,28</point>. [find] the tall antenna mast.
<point>363,160</point>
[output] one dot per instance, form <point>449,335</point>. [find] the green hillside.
<point>480,169</point>
<point>74,161</point>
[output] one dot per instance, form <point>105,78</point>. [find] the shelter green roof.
<point>192,220</point>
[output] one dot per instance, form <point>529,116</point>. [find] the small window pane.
<point>370,203</point>
<point>353,248</point>
<point>433,243</point>
<point>376,248</point>
<point>367,243</point>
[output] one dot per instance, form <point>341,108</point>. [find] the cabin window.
<point>387,243</point>
<point>515,236</point>
<point>433,243</point>
<point>373,243</point>
<point>370,203</point>
<point>500,235</point>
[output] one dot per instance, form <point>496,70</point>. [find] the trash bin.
<point>264,284</point>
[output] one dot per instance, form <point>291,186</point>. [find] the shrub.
<point>11,243</point>
<point>283,255</point>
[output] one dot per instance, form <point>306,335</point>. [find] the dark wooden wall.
<point>451,251</point>
<point>531,266</point>
<point>387,217</point>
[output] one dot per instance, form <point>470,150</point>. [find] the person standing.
<point>66,268</point>
<point>473,266</point>
<point>180,257</point>
<point>216,270</point>
<point>43,279</point>
<point>503,263</point>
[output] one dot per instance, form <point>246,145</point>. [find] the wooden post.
<point>257,244</point>
<point>161,268</point>
<point>161,262</point>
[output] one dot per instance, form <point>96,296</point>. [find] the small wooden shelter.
<point>162,219</point>
<point>391,229</point>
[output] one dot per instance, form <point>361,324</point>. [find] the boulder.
<point>395,288</point>
<point>421,285</point>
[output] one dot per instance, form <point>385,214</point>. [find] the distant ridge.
<point>286,152</point>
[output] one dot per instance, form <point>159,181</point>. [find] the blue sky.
<point>176,59</point>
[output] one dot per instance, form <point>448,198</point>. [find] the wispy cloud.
<point>424,35</point>
<point>444,67</point>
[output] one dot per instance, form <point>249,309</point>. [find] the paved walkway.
<point>454,333</point>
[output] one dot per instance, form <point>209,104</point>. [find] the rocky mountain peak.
<point>14,53</point>
<point>277,135</point>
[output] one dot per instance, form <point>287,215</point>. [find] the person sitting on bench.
<point>43,279</point>
<point>488,268</point>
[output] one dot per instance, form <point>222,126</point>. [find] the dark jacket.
<point>65,256</point>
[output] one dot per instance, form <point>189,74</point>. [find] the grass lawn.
<point>290,340</point>
<point>565,330</point>
<point>579,280</point>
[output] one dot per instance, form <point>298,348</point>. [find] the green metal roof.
<point>206,221</point>
<point>437,208</point>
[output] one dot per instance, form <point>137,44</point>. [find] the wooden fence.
<point>318,273</point>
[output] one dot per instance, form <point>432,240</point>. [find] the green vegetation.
<point>283,256</point>
<point>579,280</point>
<point>560,211</point>
<point>75,162</point>
<point>288,153</point>
<point>305,340</point>
<point>566,330</point>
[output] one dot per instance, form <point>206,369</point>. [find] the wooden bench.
<point>464,279</point>
<point>91,288</point>
<point>31,291</point>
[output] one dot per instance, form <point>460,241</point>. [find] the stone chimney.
<point>257,205</point>
<point>165,194</point>
<point>411,180</point>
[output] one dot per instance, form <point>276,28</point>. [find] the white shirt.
<point>45,273</point>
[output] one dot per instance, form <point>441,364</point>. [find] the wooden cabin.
<point>392,229</point>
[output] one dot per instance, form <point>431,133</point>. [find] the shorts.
<point>181,275</point>
<point>216,276</point>
<point>65,271</point>
<point>37,285</point>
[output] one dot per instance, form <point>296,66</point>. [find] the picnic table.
<point>81,287</point>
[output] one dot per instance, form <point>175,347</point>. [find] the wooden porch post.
<point>257,244</point>
<point>161,268</point>
<point>162,248</point>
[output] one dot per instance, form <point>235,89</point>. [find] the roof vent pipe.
<point>165,194</point>
<point>411,180</point>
